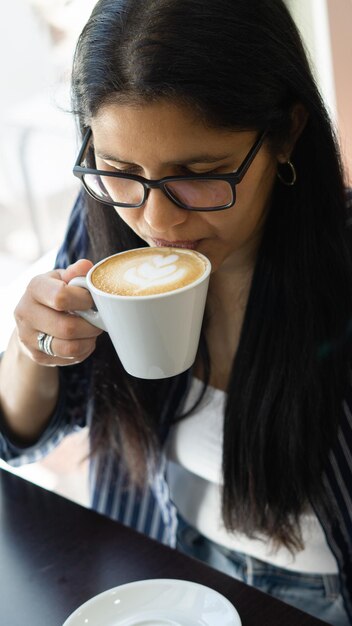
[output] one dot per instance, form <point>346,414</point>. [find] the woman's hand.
<point>46,307</point>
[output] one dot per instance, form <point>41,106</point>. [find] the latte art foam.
<point>148,271</point>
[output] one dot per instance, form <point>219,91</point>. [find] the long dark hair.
<point>240,64</point>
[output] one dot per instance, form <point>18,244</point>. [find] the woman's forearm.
<point>28,392</point>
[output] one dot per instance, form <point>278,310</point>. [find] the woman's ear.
<point>299,116</point>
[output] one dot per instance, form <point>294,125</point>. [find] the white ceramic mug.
<point>155,336</point>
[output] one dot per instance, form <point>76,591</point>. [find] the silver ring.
<point>44,343</point>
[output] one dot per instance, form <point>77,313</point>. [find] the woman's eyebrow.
<point>191,160</point>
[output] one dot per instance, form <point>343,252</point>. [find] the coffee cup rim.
<point>151,296</point>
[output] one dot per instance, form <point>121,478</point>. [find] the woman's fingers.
<point>60,324</point>
<point>51,291</point>
<point>46,308</point>
<point>80,268</point>
<point>65,352</point>
<point>73,338</point>
<point>76,350</point>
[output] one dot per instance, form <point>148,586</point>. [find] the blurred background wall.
<point>340,21</point>
<point>37,131</point>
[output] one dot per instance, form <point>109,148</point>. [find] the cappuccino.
<point>148,271</point>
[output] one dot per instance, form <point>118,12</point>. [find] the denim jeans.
<point>316,594</point>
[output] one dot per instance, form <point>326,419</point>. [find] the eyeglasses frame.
<point>233,178</point>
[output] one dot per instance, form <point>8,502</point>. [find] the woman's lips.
<point>191,244</point>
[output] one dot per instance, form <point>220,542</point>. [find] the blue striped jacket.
<point>151,510</point>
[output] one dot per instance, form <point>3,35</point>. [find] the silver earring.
<point>291,170</point>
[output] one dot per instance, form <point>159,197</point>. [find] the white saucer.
<point>161,602</point>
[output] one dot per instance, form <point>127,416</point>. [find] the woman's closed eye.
<point>186,171</point>
<point>136,171</point>
<point>180,170</point>
<point>108,167</point>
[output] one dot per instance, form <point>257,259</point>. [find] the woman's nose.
<point>161,213</point>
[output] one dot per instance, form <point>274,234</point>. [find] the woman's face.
<point>163,139</point>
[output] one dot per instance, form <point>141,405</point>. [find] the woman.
<point>247,456</point>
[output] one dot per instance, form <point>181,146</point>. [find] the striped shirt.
<point>150,510</point>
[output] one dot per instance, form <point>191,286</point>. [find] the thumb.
<point>80,268</point>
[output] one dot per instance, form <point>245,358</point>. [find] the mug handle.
<point>90,315</point>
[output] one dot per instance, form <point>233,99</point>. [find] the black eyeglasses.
<point>196,192</point>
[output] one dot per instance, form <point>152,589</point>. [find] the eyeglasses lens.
<point>115,190</point>
<point>201,194</point>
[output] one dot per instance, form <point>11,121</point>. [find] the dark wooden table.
<point>55,555</point>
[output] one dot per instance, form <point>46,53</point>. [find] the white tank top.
<point>194,451</point>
